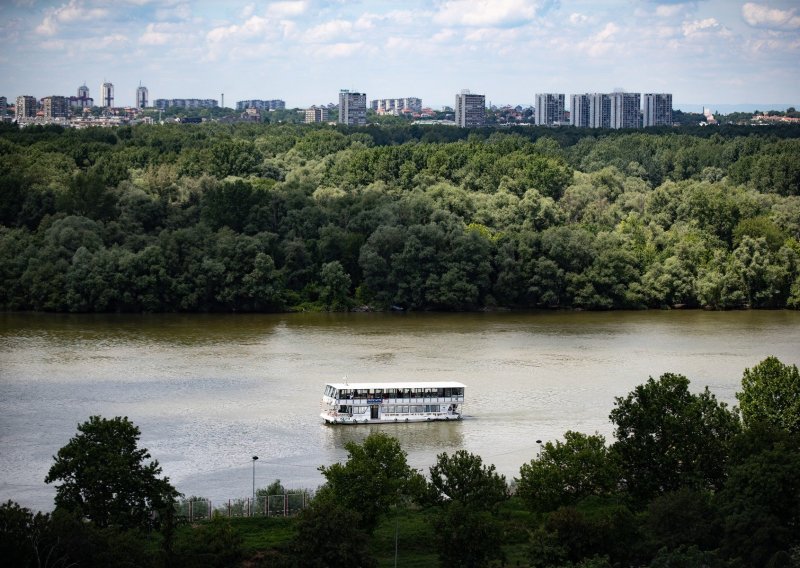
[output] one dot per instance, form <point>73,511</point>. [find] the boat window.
<point>405,410</point>
<point>391,392</point>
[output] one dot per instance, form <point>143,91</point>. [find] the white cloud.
<point>760,16</point>
<point>163,33</point>
<point>111,40</point>
<point>74,11</point>
<point>287,9</point>
<point>701,26</point>
<point>607,32</point>
<point>329,31</point>
<point>342,49</point>
<point>669,10</point>
<point>252,27</point>
<point>577,19</point>
<point>486,13</point>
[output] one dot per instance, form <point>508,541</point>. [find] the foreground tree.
<point>329,534</point>
<point>668,437</point>
<point>375,477</point>
<point>466,494</point>
<point>771,395</point>
<point>105,477</point>
<point>567,472</point>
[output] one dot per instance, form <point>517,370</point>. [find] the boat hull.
<point>351,420</point>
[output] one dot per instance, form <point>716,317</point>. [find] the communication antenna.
<point>223,100</point>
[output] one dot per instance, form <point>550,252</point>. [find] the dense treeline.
<point>686,481</point>
<point>256,217</point>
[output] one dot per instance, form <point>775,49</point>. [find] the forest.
<point>219,217</point>
<point>686,482</point>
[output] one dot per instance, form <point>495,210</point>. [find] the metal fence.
<point>285,505</point>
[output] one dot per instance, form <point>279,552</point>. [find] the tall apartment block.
<point>3,107</point>
<point>579,111</point>
<point>352,108</point>
<point>316,114</point>
<point>26,107</point>
<point>141,96</point>
<point>549,109</point>
<point>107,95</point>
<point>599,110</point>
<point>657,109</point>
<point>470,109</point>
<point>626,110</point>
<point>55,107</point>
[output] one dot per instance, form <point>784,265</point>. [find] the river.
<point>210,391</point>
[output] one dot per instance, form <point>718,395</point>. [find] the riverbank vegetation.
<point>686,481</point>
<point>258,217</point>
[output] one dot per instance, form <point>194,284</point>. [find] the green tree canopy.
<point>105,477</point>
<point>568,471</point>
<point>771,394</point>
<point>668,437</point>
<point>375,477</point>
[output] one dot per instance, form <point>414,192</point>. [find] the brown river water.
<point>210,391</point>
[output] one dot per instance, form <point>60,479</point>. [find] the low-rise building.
<point>316,114</point>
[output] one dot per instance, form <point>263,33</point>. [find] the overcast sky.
<point>304,51</point>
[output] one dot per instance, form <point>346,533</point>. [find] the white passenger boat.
<point>364,403</point>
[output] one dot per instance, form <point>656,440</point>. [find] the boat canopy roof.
<point>398,385</point>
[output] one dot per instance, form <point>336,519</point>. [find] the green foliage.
<point>214,543</point>
<point>567,472</point>
<point>429,218</point>
<point>105,477</point>
<point>760,500</point>
<point>668,437</point>
<point>374,478</point>
<point>330,534</point>
<point>466,495</point>
<point>771,395</point>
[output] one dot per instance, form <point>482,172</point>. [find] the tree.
<point>330,534</point>
<point>771,394</point>
<point>669,438</point>
<point>760,501</point>
<point>335,285</point>
<point>567,472</point>
<point>105,477</point>
<point>466,494</point>
<point>375,477</point>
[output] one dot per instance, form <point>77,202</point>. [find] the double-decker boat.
<point>364,403</point>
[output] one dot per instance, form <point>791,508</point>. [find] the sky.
<point>704,52</point>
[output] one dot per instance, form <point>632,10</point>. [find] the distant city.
<point>616,110</point>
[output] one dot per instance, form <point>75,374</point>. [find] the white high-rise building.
<point>657,109</point>
<point>141,96</point>
<point>107,95</point>
<point>579,111</point>
<point>470,109</point>
<point>549,109</point>
<point>626,110</point>
<point>599,110</point>
<point>352,108</point>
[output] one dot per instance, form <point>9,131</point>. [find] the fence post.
<point>229,508</point>
<point>191,510</point>
<point>285,504</point>
<point>209,509</point>
<point>267,505</point>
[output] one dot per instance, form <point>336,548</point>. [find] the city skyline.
<point>713,52</point>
